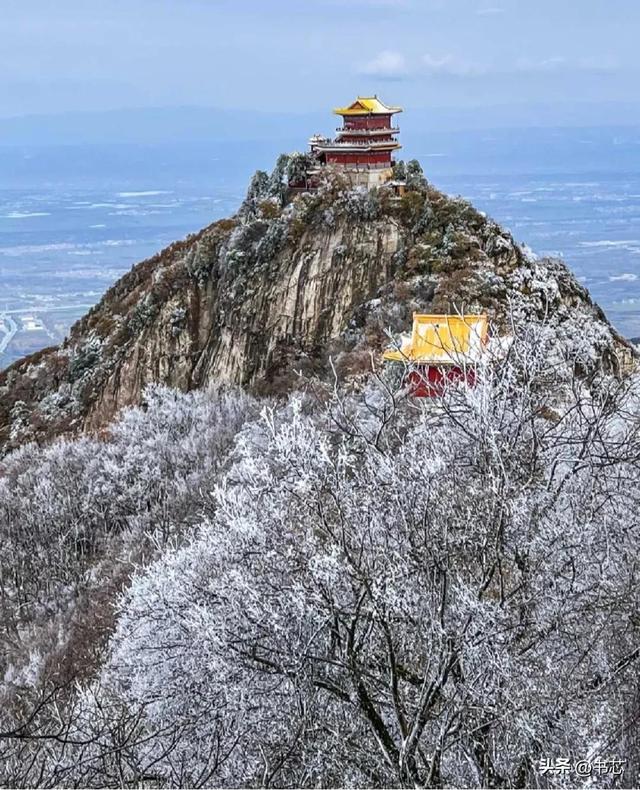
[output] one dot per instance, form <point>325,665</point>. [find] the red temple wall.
<point>377,157</point>
<point>368,122</point>
<point>430,381</point>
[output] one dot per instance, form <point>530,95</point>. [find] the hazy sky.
<point>61,55</point>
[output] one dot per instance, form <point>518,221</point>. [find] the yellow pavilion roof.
<point>443,339</point>
<point>367,105</point>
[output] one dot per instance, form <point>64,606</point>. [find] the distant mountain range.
<point>151,125</point>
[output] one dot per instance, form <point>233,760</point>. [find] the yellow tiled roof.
<point>367,105</point>
<point>444,339</point>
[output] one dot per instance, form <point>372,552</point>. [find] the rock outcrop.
<point>278,289</point>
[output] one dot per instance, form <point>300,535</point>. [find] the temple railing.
<point>363,167</point>
<point>367,132</point>
<point>371,144</point>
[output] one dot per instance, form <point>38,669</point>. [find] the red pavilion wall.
<point>373,158</point>
<point>368,122</point>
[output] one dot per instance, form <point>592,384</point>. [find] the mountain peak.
<point>288,282</point>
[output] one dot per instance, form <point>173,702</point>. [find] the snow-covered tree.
<point>298,167</point>
<point>77,517</point>
<point>371,591</point>
<point>400,170</point>
<point>259,190</point>
<point>414,174</point>
<point>391,595</point>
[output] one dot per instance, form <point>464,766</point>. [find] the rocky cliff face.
<point>282,286</point>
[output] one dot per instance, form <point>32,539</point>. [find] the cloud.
<point>448,65</point>
<point>452,66</point>
<point>388,64</point>
<point>394,65</point>
<point>533,65</point>
<point>560,63</point>
<point>628,276</point>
